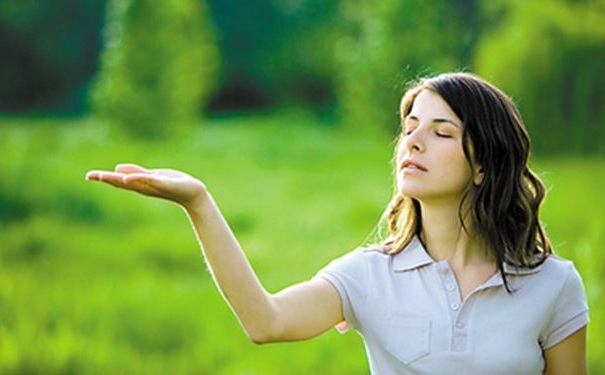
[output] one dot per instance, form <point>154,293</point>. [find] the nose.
<point>414,141</point>
<point>408,144</point>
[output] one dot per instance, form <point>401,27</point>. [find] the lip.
<point>409,165</point>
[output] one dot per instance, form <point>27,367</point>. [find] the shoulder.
<point>555,280</point>
<point>557,283</point>
<point>556,263</point>
<point>559,271</point>
<point>359,258</point>
<point>356,266</point>
<point>567,276</point>
<point>350,274</point>
<point>553,268</point>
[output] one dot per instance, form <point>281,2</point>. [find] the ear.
<point>478,176</point>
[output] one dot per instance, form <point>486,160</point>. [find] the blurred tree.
<point>391,42</point>
<point>274,52</point>
<point>158,68</point>
<point>49,52</point>
<point>302,64</point>
<point>550,56</point>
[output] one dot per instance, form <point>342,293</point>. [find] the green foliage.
<point>549,57</point>
<point>97,280</point>
<point>49,51</point>
<point>121,288</point>
<point>299,66</point>
<point>158,68</point>
<point>353,58</point>
<point>389,43</point>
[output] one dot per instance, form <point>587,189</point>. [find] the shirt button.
<point>444,271</point>
<point>459,325</point>
<point>450,287</point>
<point>455,306</point>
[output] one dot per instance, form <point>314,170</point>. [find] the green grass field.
<point>97,280</point>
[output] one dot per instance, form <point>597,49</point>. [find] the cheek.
<point>458,165</point>
<point>465,173</point>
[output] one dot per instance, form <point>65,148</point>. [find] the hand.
<point>167,184</point>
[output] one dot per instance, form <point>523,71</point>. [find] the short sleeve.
<point>348,275</point>
<point>570,312</point>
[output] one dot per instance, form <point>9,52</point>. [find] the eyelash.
<point>437,133</point>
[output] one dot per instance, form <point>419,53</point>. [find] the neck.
<point>445,238</point>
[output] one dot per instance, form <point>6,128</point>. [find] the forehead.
<point>429,105</point>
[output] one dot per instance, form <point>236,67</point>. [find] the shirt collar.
<point>415,256</point>
<point>519,271</point>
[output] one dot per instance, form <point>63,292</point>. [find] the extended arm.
<point>298,312</point>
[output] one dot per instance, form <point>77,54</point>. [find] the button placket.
<point>458,309</point>
<point>451,288</point>
<point>460,326</point>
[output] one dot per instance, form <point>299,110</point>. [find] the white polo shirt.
<point>408,309</point>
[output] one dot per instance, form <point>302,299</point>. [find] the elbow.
<point>265,334</point>
<point>259,339</point>
<point>262,337</point>
<point>265,326</point>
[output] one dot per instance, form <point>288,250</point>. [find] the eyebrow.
<point>435,120</point>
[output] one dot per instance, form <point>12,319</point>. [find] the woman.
<point>465,281</point>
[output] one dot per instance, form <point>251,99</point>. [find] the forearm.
<point>299,312</point>
<point>231,270</point>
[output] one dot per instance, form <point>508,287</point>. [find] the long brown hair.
<point>504,207</point>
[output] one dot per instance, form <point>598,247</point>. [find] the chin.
<point>410,191</point>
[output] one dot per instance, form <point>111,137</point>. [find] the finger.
<point>116,179</point>
<point>93,175</point>
<point>130,168</point>
<point>151,181</point>
<point>140,177</point>
<point>141,185</point>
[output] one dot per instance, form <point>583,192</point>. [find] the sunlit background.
<point>287,110</point>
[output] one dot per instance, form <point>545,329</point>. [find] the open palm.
<point>167,184</point>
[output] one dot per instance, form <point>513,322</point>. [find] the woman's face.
<point>431,165</point>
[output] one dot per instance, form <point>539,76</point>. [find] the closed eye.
<point>408,125</point>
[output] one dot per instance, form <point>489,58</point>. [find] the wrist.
<point>198,203</point>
